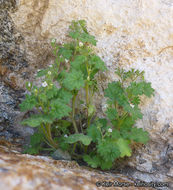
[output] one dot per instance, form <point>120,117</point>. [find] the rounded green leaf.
<point>74,80</point>
<point>124,147</point>
<point>86,140</point>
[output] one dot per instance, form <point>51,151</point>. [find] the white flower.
<point>110,130</point>
<point>104,106</point>
<point>66,60</point>
<point>65,135</point>
<point>50,65</point>
<point>56,127</point>
<point>49,72</point>
<point>80,44</point>
<point>53,40</point>
<point>109,64</point>
<point>29,84</point>
<point>132,105</point>
<point>44,84</point>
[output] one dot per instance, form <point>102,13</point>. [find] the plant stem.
<point>87,94</point>
<point>87,98</point>
<point>122,119</point>
<point>90,118</point>
<point>81,127</point>
<point>85,149</point>
<point>124,115</point>
<point>74,147</point>
<point>73,113</point>
<point>49,136</point>
<point>116,107</point>
<point>44,131</point>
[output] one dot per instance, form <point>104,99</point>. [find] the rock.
<point>61,155</point>
<point>132,34</point>
<point>6,135</point>
<point>170,173</point>
<point>7,4</point>
<point>12,58</point>
<point>1,128</point>
<point>9,100</point>
<point>22,171</point>
<point>170,152</point>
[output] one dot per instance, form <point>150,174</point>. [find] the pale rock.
<point>132,34</point>
<point>26,172</point>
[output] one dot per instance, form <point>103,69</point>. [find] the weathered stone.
<point>20,172</point>
<point>170,173</point>
<point>7,4</point>
<point>61,155</point>
<point>9,100</point>
<point>170,153</point>
<point>12,66</point>
<point>130,33</point>
<point>1,128</point>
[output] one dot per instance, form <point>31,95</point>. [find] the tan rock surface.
<point>130,33</point>
<point>26,172</point>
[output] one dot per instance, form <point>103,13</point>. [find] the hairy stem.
<point>90,118</point>
<point>87,95</point>
<point>73,113</point>
<point>120,120</point>
<point>85,149</point>
<point>49,136</point>
<point>87,89</point>
<point>74,147</point>
<point>116,107</point>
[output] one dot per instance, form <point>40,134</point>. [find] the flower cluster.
<point>44,84</point>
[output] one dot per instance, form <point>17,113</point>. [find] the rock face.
<point>25,172</point>
<point>131,33</point>
<point>12,75</point>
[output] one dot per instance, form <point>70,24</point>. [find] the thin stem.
<point>73,113</point>
<point>44,131</point>
<point>85,149</point>
<point>49,136</point>
<point>87,91</point>
<point>101,132</point>
<point>135,78</point>
<point>87,102</point>
<point>46,137</point>
<point>87,94</point>
<point>87,86</point>
<point>90,118</point>
<point>116,107</point>
<point>122,119</point>
<point>81,126</point>
<point>74,147</point>
<point>124,115</point>
<point>50,144</point>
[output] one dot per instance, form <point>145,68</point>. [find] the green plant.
<point>114,134</point>
<point>65,108</point>
<point>36,141</point>
<point>75,68</point>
